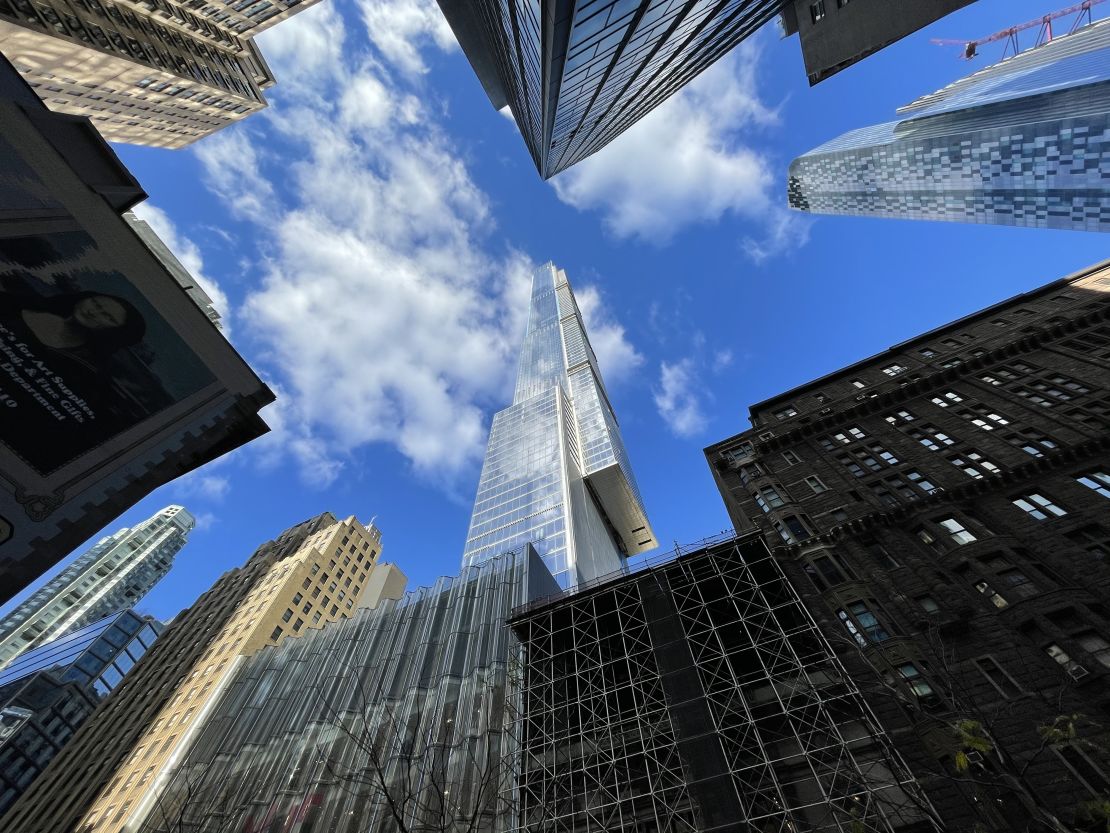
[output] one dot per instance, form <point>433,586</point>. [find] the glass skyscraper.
<point>577,75</point>
<point>556,474</point>
<point>1024,142</point>
<point>114,574</point>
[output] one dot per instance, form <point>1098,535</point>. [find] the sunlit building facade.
<point>156,72</point>
<point>556,474</point>
<point>1023,142</point>
<point>114,574</point>
<point>577,75</point>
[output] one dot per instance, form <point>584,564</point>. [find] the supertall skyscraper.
<point>114,574</point>
<point>556,474</point>
<point>157,72</point>
<point>1021,143</point>
<point>577,75</point>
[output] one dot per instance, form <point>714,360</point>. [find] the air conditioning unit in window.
<point>860,397</point>
<point>1077,671</point>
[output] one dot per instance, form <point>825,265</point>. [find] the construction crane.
<point>1082,12</point>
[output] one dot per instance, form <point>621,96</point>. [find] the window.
<point>769,498</point>
<point>848,435</point>
<point>1032,442</point>
<point>927,352</point>
<point>852,466</point>
<point>1092,538</point>
<point>894,369</point>
<point>275,633</point>
<point>1090,775</point>
<point>742,451</point>
<point>973,464</point>
<point>814,482</point>
<point>931,437</point>
<point>998,677</point>
<point>297,625</point>
<point>1037,505</point>
<point>315,569</point>
<point>786,413</point>
<point>749,473</point>
<point>983,417</point>
<point>285,617</point>
<point>791,458</point>
<point>306,584</point>
<point>928,604</point>
<point>297,599</point>
<point>946,399</point>
<point>988,591</point>
<point>791,529</point>
<point>1074,669</point>
<point>1018,583</point>
<point>900,416</point>
<point>826,572</point>
<point>917,683</point>
<point>919,480</point>
<point>1097,480</point>
<point>858,384</point>
<point>862,624</point>
<point>1096,646</point>
<point>957,532</point>
<point>881,555</point>
<point>883,454</point>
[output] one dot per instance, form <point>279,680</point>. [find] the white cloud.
<point>677,398</point>
<point>205,486</point>
<point>399,27</point>
<point>616,355</point>
<point>187,252</point>
<point>722,360</point>
<point>685,163</point>
<point>380,312</point>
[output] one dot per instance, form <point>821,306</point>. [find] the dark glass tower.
<point>577,75</point>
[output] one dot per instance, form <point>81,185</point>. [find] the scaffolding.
<point>699,695</point>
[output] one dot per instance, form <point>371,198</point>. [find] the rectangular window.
<point>791,529</point>
<point>768,498</point>
<point>886,456</point>
<point>973,464</point>
<point>1032,443</point>
<point>917,683</point>
<point>814,482</point>
<point>1038,506</point>
<point>297,599</point>
<point>1099,481</point>
<point>1018,583</point>
<point>983,417</point>
<point>1096,646</point>
<point>306,583</point>
<point>1092,538</point>
<point>786,413</point>
<point>848,435</point>
<point>1074,669</point>
<point>957,532</point>
<point>988,591</point>
<point>1093,778</point>
<point>946,399</point>
<point>276,633</point>
<point>931,437</point>
<point>927,352</point>
<point>919,480</point>
<point>899,417</point>
<point>894,369</point>
<point>928,604</point>
<point>791,458</point>
<point>998,677</point>
<point>858,384</point>
<point>862,624</point>
<point>881,555</point>
<point>285,617</point>
<point>297,625</point>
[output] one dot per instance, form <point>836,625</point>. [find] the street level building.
<point>1022,142</point>
<point>157,72</point>
<point>143,390</point>
<point>162,699</point>
<point>556,474</point>
<point>834,34</point>
<point>577,75</point>
<point>112,575</point>
<point>698,695</point>
<point>943,508</point>
<point>48,692</point>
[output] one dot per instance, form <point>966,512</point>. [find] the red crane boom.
<point>1082,11</point>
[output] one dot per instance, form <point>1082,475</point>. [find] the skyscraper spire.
<point>556,474</point>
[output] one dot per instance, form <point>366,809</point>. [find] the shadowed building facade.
<point>556,474</point>
<point>943,508</point>
<point>577,75</point>
<point>1023,143</point>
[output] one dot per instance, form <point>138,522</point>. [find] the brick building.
<point>944,506</point>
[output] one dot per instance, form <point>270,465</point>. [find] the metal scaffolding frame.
<point>699,696</point>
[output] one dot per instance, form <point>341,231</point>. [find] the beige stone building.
<point>147,72</point>
<point>333,572</point>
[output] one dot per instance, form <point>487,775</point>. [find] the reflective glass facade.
<point>577,75</point>
<point>399,718</point>
<point>114,574</point>
<point>47,693</point>
<point>1023,142</point>
<point>556,474</point>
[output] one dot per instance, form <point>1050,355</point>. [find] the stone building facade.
<point>944,506</point>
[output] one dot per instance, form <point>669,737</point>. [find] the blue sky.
<point>369,239</point>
